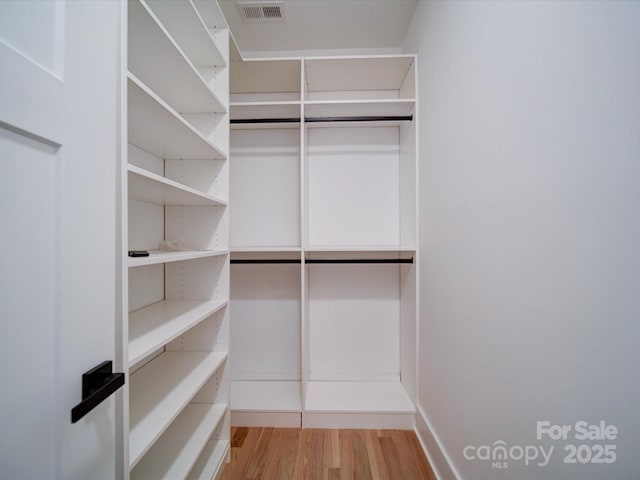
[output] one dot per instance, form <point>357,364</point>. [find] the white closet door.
<point>58,155</point>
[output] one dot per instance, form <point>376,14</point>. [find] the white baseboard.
<point>438,459</point>
<point>359,420</point>
<point>241,418</point>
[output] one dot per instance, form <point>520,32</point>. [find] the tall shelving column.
<point>178,325</point>
<point>360,239</point>
<point>265,240</point>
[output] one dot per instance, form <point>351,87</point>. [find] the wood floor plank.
<point>276,454</point>
<point>376,458</point>
<point>346,454</point>
<point>261,454</point>
<point>418,458</point>
<point>391,457</point>
<point>314,454</point>
<point>316,462</point>
<point>306,454</point>
<point>238,436</point>
<point>300,458</point>
<point>331,473</point>
<point>282,458</point>
<point>244,457</point>
<point>331,448</point>
<point>362,467</point>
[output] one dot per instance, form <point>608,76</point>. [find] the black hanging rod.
<point>374,118</point>
<point>370,118</point>
<point>359,260</point>
<point>243,261</point>
<point>273,261</point>
<point>265,120</point>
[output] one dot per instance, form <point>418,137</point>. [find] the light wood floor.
<point>294,454</point>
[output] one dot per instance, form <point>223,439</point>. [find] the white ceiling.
<point>324,26</point>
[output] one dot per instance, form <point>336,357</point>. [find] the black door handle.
<point>97,384</point>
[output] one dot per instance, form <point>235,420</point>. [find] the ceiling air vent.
<point>261,12</point>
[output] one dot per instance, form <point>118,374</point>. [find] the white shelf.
<point>357,397</point>
<point>265,79</point>
<point>263,96</point>
<point>187,28</point>
<point>265,396</point>
<point>275,125</point>
<point>177,450</point>
<point>160,390</point>
<point>265,249</point>
<point>156,256</point>
<point>152,188</point>
<point>159,323</point>
<point>156,127</point>
<point>211,461</point>
<point>253,110</point>
<point>156,59</point>
<point>360,252</point>
<point>351,74</point>
<point>359,108</point>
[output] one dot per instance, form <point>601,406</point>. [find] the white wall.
<point>530,227</point>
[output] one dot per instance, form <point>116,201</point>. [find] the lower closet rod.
<point>321,260</point>
<point>370,118</point>
<point>264,261</point>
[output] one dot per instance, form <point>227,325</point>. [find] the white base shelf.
<point>270,396</point>
<point>177,450</point>
<point>266,404</point>
<point>358,405</point>
<point>267,419</point>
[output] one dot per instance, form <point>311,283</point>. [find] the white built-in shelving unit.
<point>177,176</point>
<point>323,241</point>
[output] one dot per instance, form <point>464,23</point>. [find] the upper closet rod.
<point>370,118</point>
<point>265,120</point>
<point>362,118</point>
